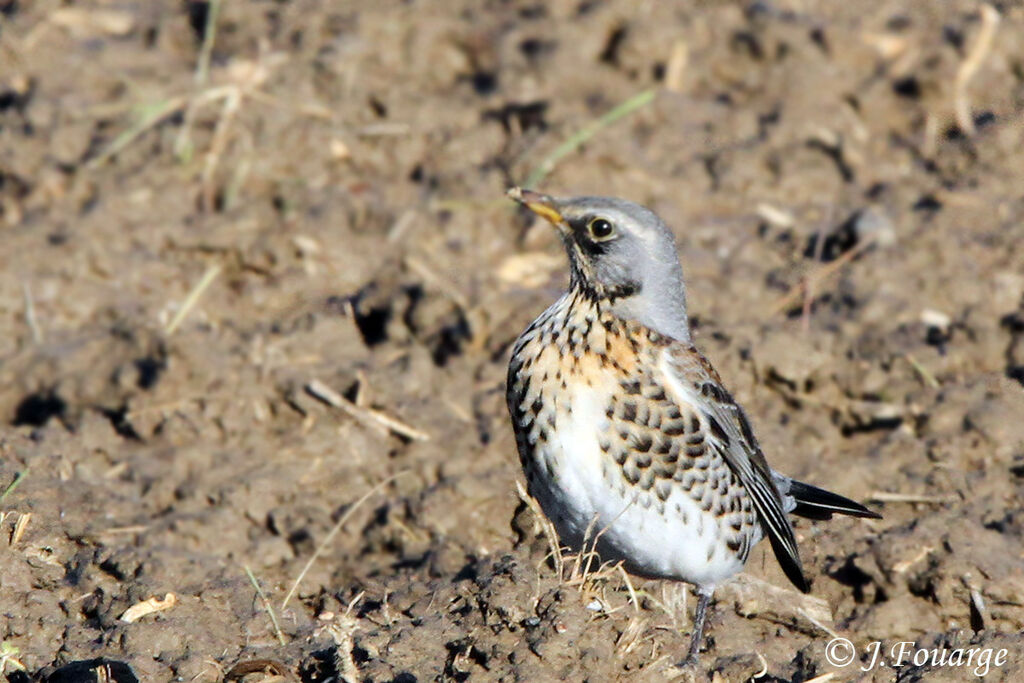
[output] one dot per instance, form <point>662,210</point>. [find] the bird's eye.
<point>600,229</point>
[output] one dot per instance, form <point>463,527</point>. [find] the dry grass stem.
<point>577,140</point>
<point>578,572</point>
<point>333,532</point>
<point>812,281</point>
<point>84,22</point>
<point>764,666</point>
<point>217,146</point>
<point>342,629</point>
<point>151,115</point>
<point>548,529</point>
<point>209,38</point>
<point>824,678</point>
<point>246,78</point>
<point>675,69</point>
<point>629,587</point>
<point>674,599</point>
<point>18,478</point>
<point>924,373</point>
<point>896,497</point>
<point>373,418</point>
<point>972,63</point>
<point>401,227</point>
<point>266,606</point>
<point>30,314</point>
<point>313,111</point>
<point>193,297</point>
<point>904,565</point>
<point>20,527</point>
<point>383,130</point>
<point>630,636</point>
<point>119,530</point>
<point>776,216</point>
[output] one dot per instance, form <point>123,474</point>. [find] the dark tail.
<point>815,503</point>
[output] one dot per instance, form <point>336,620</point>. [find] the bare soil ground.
<point>194,242</point>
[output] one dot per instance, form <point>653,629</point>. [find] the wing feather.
<point>697,385</point>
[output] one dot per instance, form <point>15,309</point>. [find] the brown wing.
<point>696,383</point>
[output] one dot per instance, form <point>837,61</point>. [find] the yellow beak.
<point>541,204</point>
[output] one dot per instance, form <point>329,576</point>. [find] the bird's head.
<point>620,253</point>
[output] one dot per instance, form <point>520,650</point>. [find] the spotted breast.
<point>607,437</point>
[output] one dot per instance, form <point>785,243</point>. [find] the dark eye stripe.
<point>585,239</point>
<point>594,248</point>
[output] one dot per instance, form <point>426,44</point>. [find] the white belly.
<point>671,539</point>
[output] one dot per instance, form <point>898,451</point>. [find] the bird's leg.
<point>703,600</point>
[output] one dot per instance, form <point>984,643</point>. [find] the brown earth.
<point>335,181</point>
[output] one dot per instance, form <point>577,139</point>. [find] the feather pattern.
<point>695,381</point>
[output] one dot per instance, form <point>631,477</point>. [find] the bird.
<point>628,439</point>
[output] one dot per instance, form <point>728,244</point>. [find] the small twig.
<point>311,110</point>
<point>575,141</point>
<point>776,216</point>
<point>151,116</point>
<point>241,174</point>
<point>132,529</point>
<point>14,484</point>
<point>824,678</point>
<point>630,636</point>
<point>547,528</point>
<point>333,532</point>
<point>597,537</point>
<point>890,497</point>
<point>341,631</point>
<point>209,37</point>
<point>266,605</point>
<point>979,51</point>
<point>764,667</point>
<point>902,566</point>
<point>978,610</point>
<point>175,404</point>
<point>182,142</point>
<point>193,297</point>
<point>584,554</point>
<point>217,146</point>
<point>379,130</point>
<point>815,278</point>
<point>925,373</point>
<point>629,587</point>
<point>374,418</point>
<point>675,68</point>
<point>20,527</point>
<point>401,226</point>
<point>30,315</point>
<point>809,285</point>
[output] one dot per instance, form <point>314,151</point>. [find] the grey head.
<point>620,253</point>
